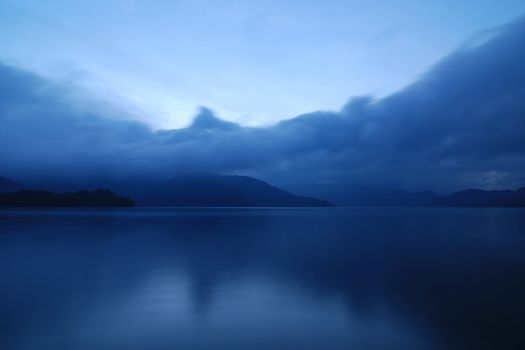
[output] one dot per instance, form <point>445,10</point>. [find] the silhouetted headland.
<point>97,198</point>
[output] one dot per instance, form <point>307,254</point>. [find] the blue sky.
<point>253,62</point>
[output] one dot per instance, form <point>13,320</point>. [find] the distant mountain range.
<point>479,198</point>
<point>348,196</point>
<point>213,190</point>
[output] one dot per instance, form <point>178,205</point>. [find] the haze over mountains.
<point>461,125</point>
<point>212,190</point>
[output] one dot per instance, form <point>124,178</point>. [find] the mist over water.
<point>262,279</point>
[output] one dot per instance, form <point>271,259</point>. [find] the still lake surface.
<point>174,278</point>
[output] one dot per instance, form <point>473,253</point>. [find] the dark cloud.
<point>460,125</point>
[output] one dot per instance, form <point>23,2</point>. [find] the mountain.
<point>480,198</point>
<point>212,190</point>
<point>221,191</point>
<point>97,198</point>
<point>8,185</point>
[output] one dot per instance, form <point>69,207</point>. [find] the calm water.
<point>262,279</point>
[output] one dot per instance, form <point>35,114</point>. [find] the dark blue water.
<point>262,279</point>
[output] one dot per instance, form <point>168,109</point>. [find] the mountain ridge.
<point>224,190</point>
<point>8,185</point>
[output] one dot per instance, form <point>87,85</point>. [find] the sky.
<point>252,62</point>
<point>457,124</point>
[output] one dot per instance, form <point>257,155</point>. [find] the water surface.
<point>339,278</point>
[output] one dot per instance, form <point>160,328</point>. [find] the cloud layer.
<point>462,124</point>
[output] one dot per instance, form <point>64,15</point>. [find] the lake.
<point>178,278</point>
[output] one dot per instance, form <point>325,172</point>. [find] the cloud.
<point>462,124</point>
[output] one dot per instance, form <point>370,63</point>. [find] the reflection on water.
<point>262,279</point>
